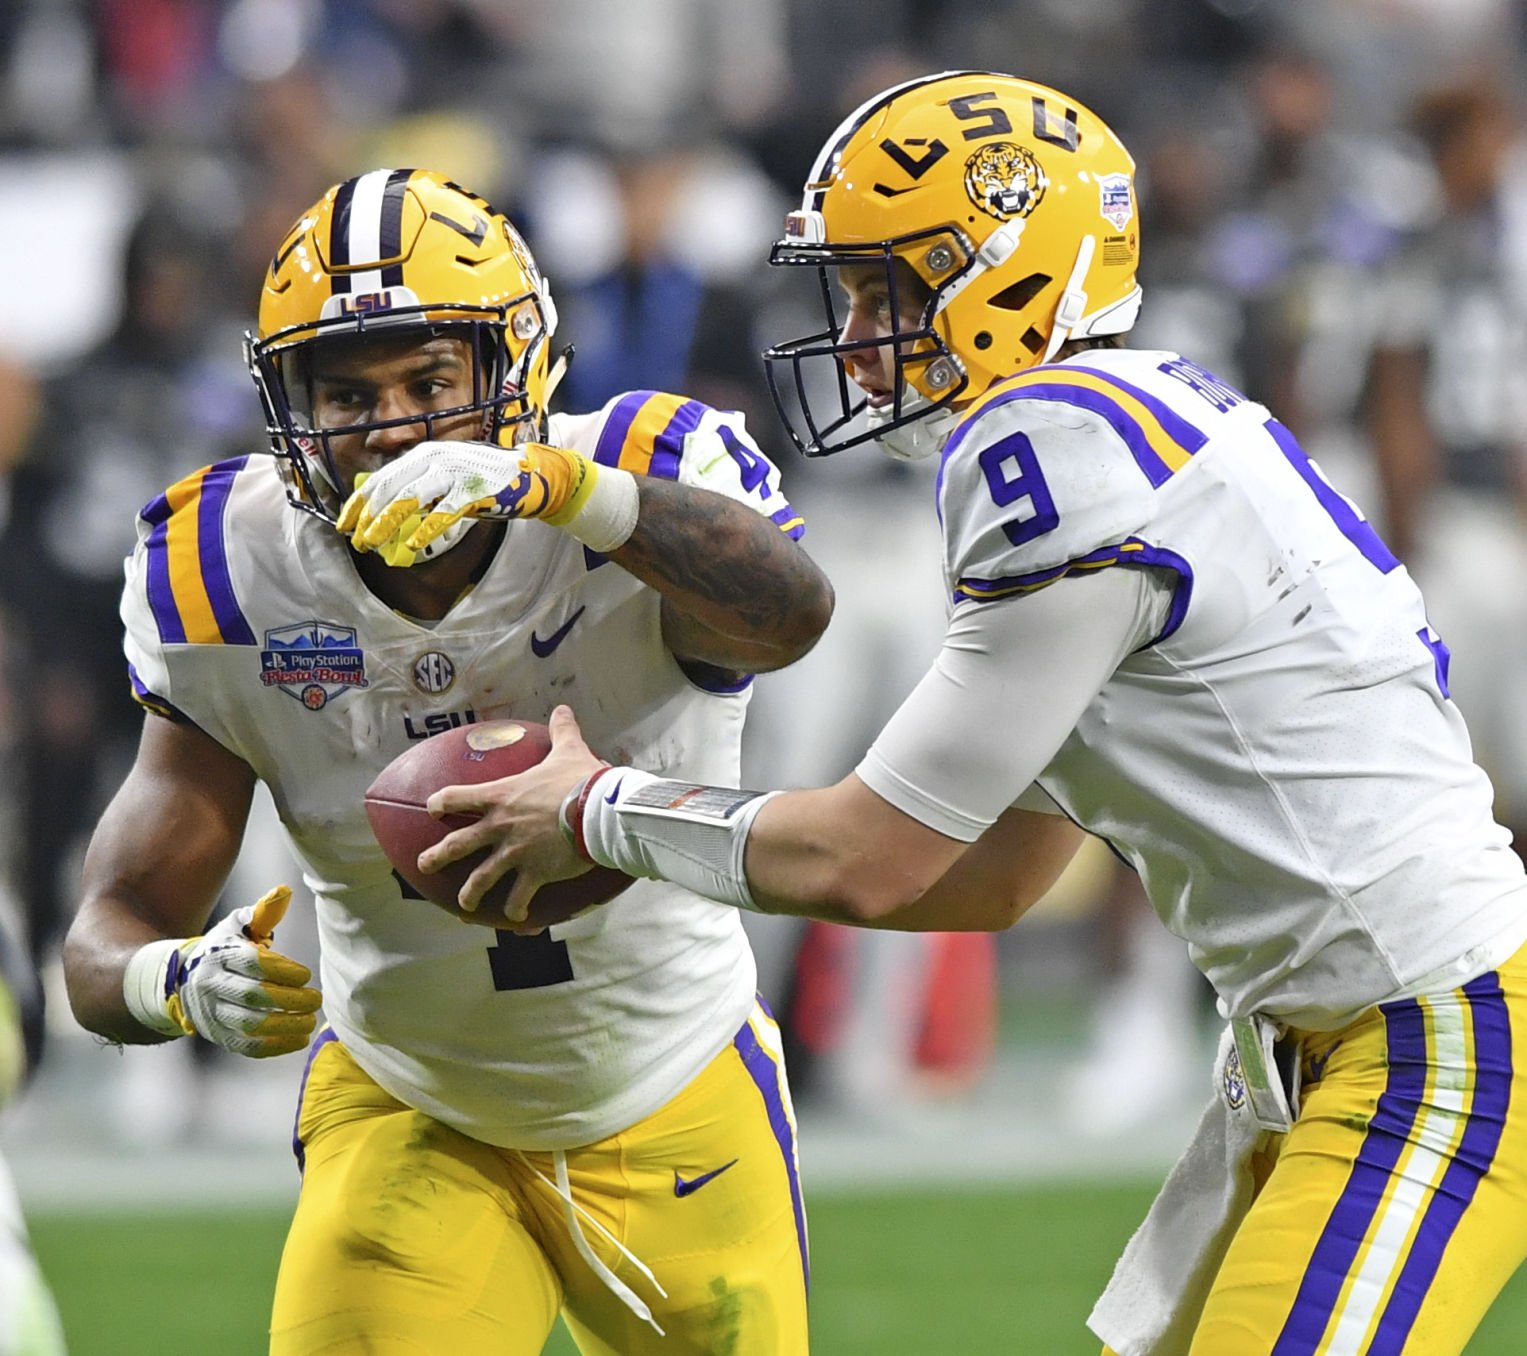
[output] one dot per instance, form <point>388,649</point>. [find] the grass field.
<point>1007,1271</point>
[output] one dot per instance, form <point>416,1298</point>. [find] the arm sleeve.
<point>1006,689</point>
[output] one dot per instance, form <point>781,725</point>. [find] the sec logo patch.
<point>434,672</point>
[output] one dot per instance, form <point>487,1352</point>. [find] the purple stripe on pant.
<point>769,1079</point>
<point>1359,1201</point>
<point>1470,1162</point>
<point>325,1037</point>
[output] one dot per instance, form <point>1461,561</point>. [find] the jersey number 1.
<point>532,962</point>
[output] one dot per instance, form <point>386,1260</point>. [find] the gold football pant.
<point>1396,1209</point>
<point>412,1238</point>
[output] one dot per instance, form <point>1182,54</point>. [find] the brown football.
<point>483,752</point>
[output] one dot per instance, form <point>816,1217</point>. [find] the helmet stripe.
<point>816,187</point>
<point>365,229</point>
<point>392,226</point>
<point>368,225</point>
<point>339,233</point>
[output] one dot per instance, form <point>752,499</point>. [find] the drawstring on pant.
<point>623,1292</point>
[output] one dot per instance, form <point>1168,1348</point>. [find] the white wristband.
<point>608,516</point>
<point>143,986</point>
<point>692,835</point>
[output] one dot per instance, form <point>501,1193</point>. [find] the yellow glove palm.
<point>232,989</point>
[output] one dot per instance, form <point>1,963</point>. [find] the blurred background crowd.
<point>1334,218</point>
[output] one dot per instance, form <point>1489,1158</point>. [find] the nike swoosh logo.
<point>541,648</point>
<point>610,800</point>
<point>683,1188</point>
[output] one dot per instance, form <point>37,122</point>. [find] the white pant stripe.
<point>1437,1128</point>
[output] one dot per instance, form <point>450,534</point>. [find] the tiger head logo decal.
<point>1004,180</point>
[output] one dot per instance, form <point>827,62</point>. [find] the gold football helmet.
<point>1015,208</point>
<point>384,252</point>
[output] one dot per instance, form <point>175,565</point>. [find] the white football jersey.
<point>1281,763</point>
<point>249,618</point>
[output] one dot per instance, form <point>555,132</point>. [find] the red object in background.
<point>959,1027</point>
<point>956,1022</point>
<point>154,51</point>
<point>823,987</point>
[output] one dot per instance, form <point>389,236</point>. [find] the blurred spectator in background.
<point>29,1322</point>
<point>163,394</point>
<point>642,74</point>
<point>654,250</point>
<point>1447,410</point>
<point>1182,199</point>
<point>1307,209</point>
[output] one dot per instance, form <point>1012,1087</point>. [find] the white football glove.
<point>228,986</point>
<point>417,499</point>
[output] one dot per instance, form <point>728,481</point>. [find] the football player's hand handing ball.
<point>519,819</point>
<point>413,500</point>
<point>229,986</point>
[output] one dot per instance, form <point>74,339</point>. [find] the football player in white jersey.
<point>1168,630</point>
<point>494,1128</point>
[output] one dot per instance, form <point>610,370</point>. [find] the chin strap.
<point>921,436</point>
<point>559,367</point>
<point>1073,301</point>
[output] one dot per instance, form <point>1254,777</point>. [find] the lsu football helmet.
<point>390,251</point>
<point>1012,204</point>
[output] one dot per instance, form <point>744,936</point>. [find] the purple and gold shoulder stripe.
<point>1160,440</point>
<point>145,696</point>
<point>189,583</point>
<point>644,432</point>
<point>1131,551</point>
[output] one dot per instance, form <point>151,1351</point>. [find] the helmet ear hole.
<point>1021,293</point>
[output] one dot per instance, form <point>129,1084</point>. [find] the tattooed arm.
<point>738,594</point>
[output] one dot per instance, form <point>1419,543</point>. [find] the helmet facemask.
<point>813,374</point>
<point>283,365</point>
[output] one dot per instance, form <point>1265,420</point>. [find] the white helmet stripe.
<point>851,124</point>
<point>365,233</point>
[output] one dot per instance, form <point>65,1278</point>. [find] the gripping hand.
<point>413,500</point>
<point>232,989</point>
